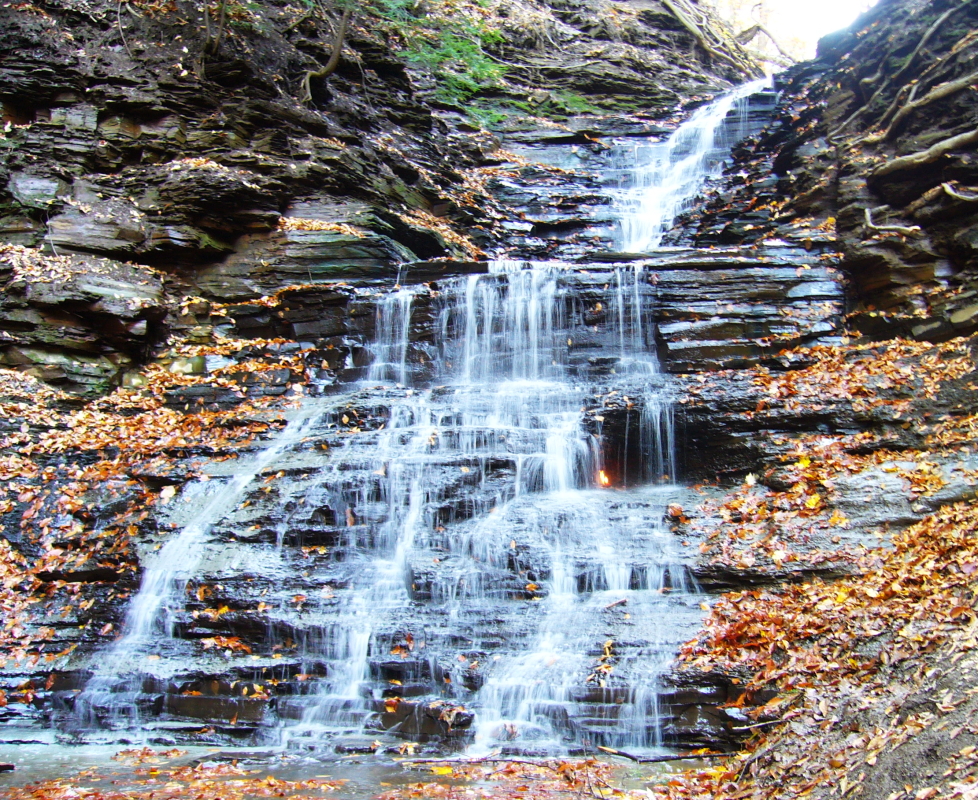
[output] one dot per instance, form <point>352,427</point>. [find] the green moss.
<point>449,46</point>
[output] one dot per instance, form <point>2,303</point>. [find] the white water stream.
<point>658,182</point>
<point>491,550</point>
<point>149,619</point>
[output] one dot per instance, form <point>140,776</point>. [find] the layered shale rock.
<point>873,150</point>
<point>77,322</point>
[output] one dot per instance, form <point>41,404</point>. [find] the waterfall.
<point>107,698</point>
<point>657,182</point>
<point>499,541</point>
<point>483,498</point>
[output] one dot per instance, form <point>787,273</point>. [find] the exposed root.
<point>950,191</point>
<point>906,67</point>
<point>913,230</point>
<point>213,42</point>
<point>937,93</point>
<point>924,157</point>
<point>334,58</point>
<point>724,49</point>
<point>122,33</point>
<point>902,96</point>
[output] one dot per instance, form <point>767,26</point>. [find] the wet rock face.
<point>718,310</point>
<point>873,126</point>
<point>130,144</point>
<point>77,322</point>
<point>133,152</point>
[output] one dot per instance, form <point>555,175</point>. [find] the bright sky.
<point>809,20</point>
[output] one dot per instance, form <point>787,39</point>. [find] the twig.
<point>622,602</point>
<point>662,759</point>
<point>757,725</point>
<point>122,33</point>
<point>753,759</point>
<point>911,231</point>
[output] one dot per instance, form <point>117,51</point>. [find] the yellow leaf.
<point>814,501</point>
<point>804,462</point>
<point>442,770</point>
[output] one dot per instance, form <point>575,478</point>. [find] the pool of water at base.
<point>364,776</point>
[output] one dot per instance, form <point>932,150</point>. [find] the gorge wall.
<point>180,224</point>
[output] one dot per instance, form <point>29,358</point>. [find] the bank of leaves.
<point>843,658</point>
<point>863,666</point>
<point>151,779</point>
<point>62,464</point>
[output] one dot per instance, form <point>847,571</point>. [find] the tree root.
<point>906,67</point>
<point>741,61</point>
<point>937,93</point>
<point>904,231</point>
<point>924,157</point>
<point>334,58</point>
<point>212,43</point>
<point>901,96</point>
<point>950,191</point>
<point>122,33</point>
<point>297,22</point>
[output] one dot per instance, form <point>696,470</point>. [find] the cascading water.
<point>483,499</point>
<point>657,182</point>
<point>108,698</point>
<point>499,540</point>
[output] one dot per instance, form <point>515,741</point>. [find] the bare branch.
<point>751,33</point>
<point>664,759</point>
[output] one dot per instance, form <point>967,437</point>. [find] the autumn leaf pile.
<point>151,778</point>
<point>307,224</point>
<point>503,779</point>
<point>844,652</point>
<point>786,516</point>
<point>860,667</point>
<point>912,595</point>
